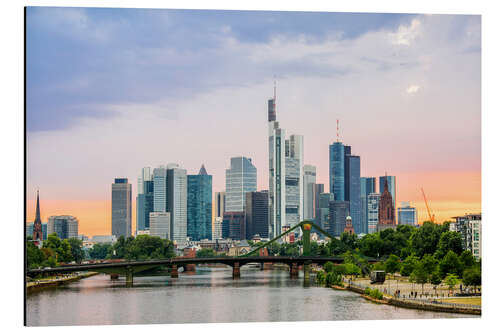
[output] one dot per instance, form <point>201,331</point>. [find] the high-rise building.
<point>318,189</point>
<point>323,213</point>
<point>352,191</point>
<point>386,218</point>
<point>159,224</point>
<point>257,214</point>
<point>373,201</point>
<point>391,185</point>
<point>339,210</point>
<point>37,224</point>
<point>469,227</point>
<point>286,187</point>
<point>160,189</point>
<point>65,226</point>
<point>177,202</point>
<point>199,205</point>
<point>337,174</point>
<point>145,199</point>
<point>367,187</point>
<point>241,178</point>
<point>121,208</point>
<point>407,214</point>
<point>217,228</point>
<point>233,225</point>
<point>220,204</point>
<point>309,192</point>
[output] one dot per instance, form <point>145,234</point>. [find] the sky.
<point>110,91</point>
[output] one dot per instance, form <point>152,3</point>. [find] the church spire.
<point>37,224</point>
<point>37,216</point>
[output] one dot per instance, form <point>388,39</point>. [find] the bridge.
<point>129,268</point>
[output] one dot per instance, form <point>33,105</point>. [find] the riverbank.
<point>57,281</point>
<point>428,304</point>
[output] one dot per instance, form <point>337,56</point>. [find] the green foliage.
<point>77,252</point>
<point>429,263</point>
<point>408,265</point>
<point>329,267</point>
<point>379,266</point>
<point>435,277</point>
<point>35,256</point>
<point>321,277</point>
<point>375,293</point>
<point>352,269</point>
<point>100,251</point>
<point>333,279</point>
<point>392,264</point>
<point>367,291</point>
<point>451,280</point>
<point>60,248</point>
<point>449,241</point>
<point>472,277</point>
<point>420,274</point>
<point>143,247</point>
<point>450,264</point>
<point>206,253</point>
<point>467,259</point>
<point>426,238</point>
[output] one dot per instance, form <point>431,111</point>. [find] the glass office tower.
<point>121,208</point>
<point>337,185</point>
<point>199,205</point>
<point>241,178</point>
<point>367,187</point>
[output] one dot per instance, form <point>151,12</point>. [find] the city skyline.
<point>419,113</point>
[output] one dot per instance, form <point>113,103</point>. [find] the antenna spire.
<point>338,135</point>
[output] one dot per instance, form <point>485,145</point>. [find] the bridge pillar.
<point>129,277</point>
<point>261,266</point>
<point>307,271</point>
<point>294,270</point>
<point>174,273</point>
<point>236,270</point>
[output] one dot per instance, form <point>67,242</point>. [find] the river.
<point>208,296</point>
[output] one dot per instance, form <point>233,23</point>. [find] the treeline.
<point>55,251</point>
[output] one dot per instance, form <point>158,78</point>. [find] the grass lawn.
<point>464,300</point>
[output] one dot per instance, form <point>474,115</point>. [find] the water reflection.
<point>210,295</point>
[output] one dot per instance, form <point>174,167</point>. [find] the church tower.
<point>37,225</point>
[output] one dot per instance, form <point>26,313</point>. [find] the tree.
<point>34,255</point>
<point>392,264</point>
<point>371,245</point>
<point>352,269</point>
<point>77,252</point>
<point>61,248</point>
<point>408,265</point>
<point>100,251</point>
<point>435,279</point>
<point>206,253</point>
<point>379,266</point>
<point>425,239</point>
<point>329,267</point>
<point>472,277</point>
<point>450,264</point>
<point>449,241</point>
<point>467,259</point>
<point>420,274</point>
<point>429,263</point>
<point>451,280</point>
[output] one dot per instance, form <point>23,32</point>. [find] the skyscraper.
<point>367,187</point>
<point>145,199</point>
<point>160,189</point>
<point>233,225</point>
<point>352,189</point>
<point>339,210</point>
<point>121,208</point>
<point>337,174</point>
<point>286,187</point>
<point>159,224</point>
<point>37,224</point>
<point>373,202</point>
<point>220,204</point>
<point>199,205</point>
<point>318,189</point>
<point>177,202</point>
<point>386,218</point>
<point>257,214</point>
<point>241,178</point>
<point>65,226</point>
<point>391,185</point>
<point>309,192</point>
<point>407,214</point>
<point>323,213</point>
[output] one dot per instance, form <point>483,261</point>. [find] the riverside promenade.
<point>55,281</point>
<point>431,300</point>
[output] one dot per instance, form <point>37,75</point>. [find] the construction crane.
<point>431,216</point>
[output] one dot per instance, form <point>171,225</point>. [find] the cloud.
<point>406,34</point>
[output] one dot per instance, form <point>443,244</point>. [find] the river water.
<point>208,296</point>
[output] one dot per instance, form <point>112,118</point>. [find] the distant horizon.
<point>130,90</point>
